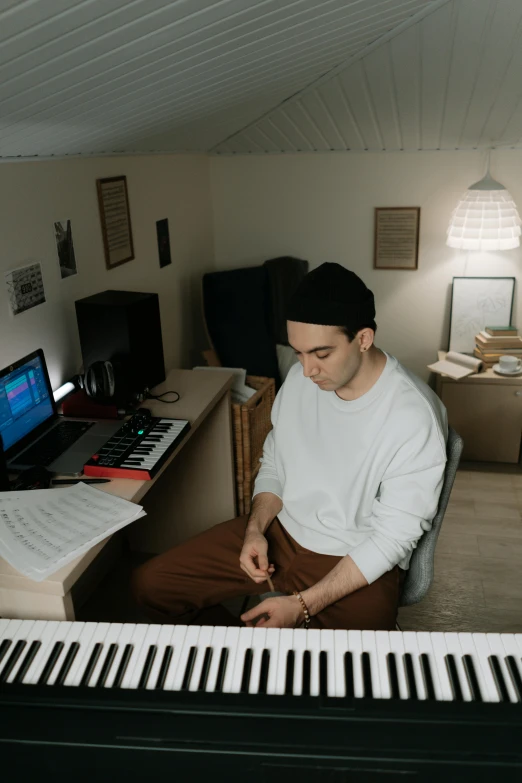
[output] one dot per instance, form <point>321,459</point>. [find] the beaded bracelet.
<point>305,608</point>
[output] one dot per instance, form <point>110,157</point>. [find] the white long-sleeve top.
<point>360,477</point>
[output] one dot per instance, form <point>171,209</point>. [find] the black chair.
<point>244,311</point>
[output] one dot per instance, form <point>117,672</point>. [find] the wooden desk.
<point>194,490</point>
<point>486,410</point>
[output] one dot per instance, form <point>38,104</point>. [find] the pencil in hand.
<point>265,616</point>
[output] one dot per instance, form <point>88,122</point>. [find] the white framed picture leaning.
<point>477,302</point>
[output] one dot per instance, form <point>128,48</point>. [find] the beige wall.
<point>35,194</point>
<point>320,207</point>
<point>240,211</point>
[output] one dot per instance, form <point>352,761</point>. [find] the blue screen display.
<point>24,401</point>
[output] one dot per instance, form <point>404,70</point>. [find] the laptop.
<point>33,432</point>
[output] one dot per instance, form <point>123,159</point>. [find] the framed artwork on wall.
<point>477,302</point>
<point>162,232</point>
<point>25,288</point>
<point>396,238</point>
<point>65,248</point>
<point>113,202</point>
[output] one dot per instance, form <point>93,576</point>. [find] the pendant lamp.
<point>485,218</point>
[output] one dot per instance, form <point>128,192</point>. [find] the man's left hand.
<point>280,612</point>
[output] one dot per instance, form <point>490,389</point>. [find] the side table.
<point>486,410</point>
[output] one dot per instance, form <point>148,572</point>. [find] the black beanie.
<point>331,295</point>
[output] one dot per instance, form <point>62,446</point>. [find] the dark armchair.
<point>244,312</point>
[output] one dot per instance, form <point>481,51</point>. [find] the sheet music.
<point>42,530</point>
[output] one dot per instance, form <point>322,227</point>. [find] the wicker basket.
<point>252,424</point>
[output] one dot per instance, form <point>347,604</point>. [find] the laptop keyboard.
<point>54,443</point>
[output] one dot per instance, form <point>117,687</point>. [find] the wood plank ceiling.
<point>95,77</point>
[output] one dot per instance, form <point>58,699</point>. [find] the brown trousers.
<point>187,583</point>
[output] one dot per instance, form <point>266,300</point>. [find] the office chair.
<point>420,573</point>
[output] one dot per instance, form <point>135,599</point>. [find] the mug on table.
<point>510,363</point>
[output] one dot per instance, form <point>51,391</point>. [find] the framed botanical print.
<point>477,302</point>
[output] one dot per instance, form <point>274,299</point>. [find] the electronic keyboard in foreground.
<point>259,704</point>
<point>139,449</point>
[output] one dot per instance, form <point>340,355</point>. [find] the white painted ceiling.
<point>236,76</point>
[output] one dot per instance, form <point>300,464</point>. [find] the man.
<point>350,479</point>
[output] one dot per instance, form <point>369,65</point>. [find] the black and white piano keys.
<point>346,664</point>
<point>156,443</point>
<point>138,454</point>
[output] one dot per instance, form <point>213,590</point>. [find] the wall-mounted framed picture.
<point>25,288</point>
<point>162,232</point>
<point>65,248</point>
<point>396,244</point>
<point>477,302</point>
<point>113,202</point>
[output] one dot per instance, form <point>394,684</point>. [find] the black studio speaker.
<point>123,327</point>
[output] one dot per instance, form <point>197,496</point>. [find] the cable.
<point>149,396</point>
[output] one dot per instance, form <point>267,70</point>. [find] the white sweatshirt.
<point>360,477</point>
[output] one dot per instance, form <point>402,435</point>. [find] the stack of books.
<point>496,341</point>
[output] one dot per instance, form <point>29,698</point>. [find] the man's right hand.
<point>254,557</point>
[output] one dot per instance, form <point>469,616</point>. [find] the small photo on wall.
<point>25,288</point>
<point>162,230</point>
<point>65,247</point>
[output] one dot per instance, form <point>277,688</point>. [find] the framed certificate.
<point>396,238</point>
<point>115,219</point>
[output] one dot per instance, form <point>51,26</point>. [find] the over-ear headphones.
<point>109,381</point>
<point>99,381</point>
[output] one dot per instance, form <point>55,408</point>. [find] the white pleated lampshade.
<point>485,218</point>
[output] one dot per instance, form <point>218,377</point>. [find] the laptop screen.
<point>25,400</point>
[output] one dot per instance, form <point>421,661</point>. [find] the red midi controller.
<point>139,449</point>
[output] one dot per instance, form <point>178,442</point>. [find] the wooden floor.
<point>478,573</point>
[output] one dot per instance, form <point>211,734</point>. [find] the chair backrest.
<point>284,275</point>
<point>245,313</point>
<point>237,312</point>
<point>420,573</point>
